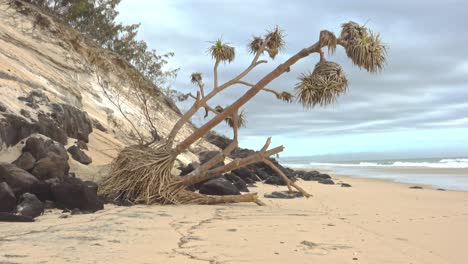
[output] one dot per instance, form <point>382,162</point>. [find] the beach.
<point>374,221</point>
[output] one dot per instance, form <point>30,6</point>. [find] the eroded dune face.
<point>51,84</point>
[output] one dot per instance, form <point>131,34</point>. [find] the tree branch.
<point>237,163</point>
<point>247,96</point>
<point>285,178</point>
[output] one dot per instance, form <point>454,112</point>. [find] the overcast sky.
<point>418,106</point>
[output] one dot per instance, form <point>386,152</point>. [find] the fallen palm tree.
<point>142,173</point>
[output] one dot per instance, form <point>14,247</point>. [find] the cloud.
<point>424,84</point>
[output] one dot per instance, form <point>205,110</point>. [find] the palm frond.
<point>285,96</point>
<point>255,45</point>
<point>328,39</point>
<point>322,86</point>
<point>196,77</point>
<point>222,52</point>
<point>275,39</point>
<point>364,47</point>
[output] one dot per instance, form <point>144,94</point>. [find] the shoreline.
<point>374,221</point>
<point>461,173</point>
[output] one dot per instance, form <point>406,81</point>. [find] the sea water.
<point>442,172</point>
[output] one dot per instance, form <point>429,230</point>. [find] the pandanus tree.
<point>142,173</point>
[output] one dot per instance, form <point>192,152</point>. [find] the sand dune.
<point>372,222</point>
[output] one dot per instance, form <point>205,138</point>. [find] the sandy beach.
<point>374,221</point>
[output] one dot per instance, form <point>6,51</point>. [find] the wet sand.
<point>374,221</point>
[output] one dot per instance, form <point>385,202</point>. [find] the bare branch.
<point>286,179</point>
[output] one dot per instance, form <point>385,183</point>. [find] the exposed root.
<point>143,175</point>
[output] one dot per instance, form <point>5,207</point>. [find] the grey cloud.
<point>421,87</point>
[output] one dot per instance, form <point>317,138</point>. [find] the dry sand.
<point>372,222</point>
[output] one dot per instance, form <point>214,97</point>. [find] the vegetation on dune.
<point>96,19</point>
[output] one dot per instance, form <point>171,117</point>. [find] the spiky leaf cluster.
<point>255,44</point>
<point>364,47</point>
<point>322,86</point>
<point>285,96</point>
<point>241,118</point>
<point>328,39</point>
<point>196,77</point>
<point>222,52</point>
<point>275,42</point>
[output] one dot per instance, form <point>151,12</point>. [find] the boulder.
<point>36,147</point>
<point>70,193</point>
<point>26,161</point>
<point>18,179</point>
<point>98,125</point>
<point>240,184</point>
<point>9,217</point>
<point>81,144</point>
<point>246,174</point>
<point>262,174</point>
<point>3,108</point>
<point>219,186</point>
<point>30,206</point>
<point>275,180</point>
<point>42,190</point>
<point>14,128</point>
<point>189,168</point>
<point>326,181</point>
<point>78,155</point>
<point>346,185</point>
<point>7,198</point>
<point>52,166</point>
<point>73,121</point>
<point>205,156</point>
<point>283,195</point>
<point>92,186</point>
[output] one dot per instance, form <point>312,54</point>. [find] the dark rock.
<point>189,168</point>
<point>440,189</point>
<point>283,195</point>
<point>326,181</point>
<point>78,155</point>
<point>49,204</point>
<point>219,186</point>
<point>52,166</point>
<point>51,128</point>
<point>19,180</point>
<point>246,174</point>
<point>323,176</point>
<point>275,180</point>
<point>7,198</point>
<point>346,185</point>
<point>416,187</point>
<point>72,193</point>
<point>308,175</point>
<point>36,147</point>
<point>240,184</point>
<point>2,107</point>
<point>25,113</point>
<point>92,186</point>
<point>57,149</point>
<point>14,128</point>
<point>30,206</point>
<point>35,99</point>
<point>262,174</point>
<point>73,121</point>
<point>99,126</point>
<point>42,190</point>
<point>218,140</point>
<point>81,144</point>
<point>205,156</point>
<point>26,161</point>
<point>9,217</point>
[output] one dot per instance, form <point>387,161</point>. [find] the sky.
<point>416,107</point>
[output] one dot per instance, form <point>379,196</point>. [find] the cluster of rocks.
<point>40,179</point>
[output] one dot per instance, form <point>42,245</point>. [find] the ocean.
<point>442,172</point>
